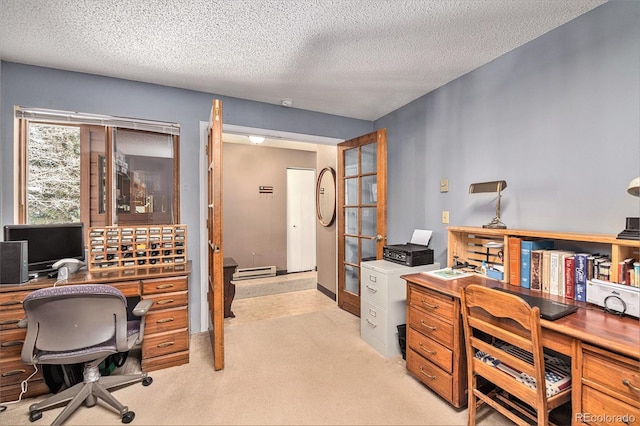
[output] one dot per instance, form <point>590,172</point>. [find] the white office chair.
<point>81,324</point>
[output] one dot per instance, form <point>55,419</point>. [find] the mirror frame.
<point>326,221</point>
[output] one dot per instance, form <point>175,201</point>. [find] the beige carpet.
<point>300,361</point>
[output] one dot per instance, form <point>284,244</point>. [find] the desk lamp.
<point>632,229</point>
<point>494,186</point>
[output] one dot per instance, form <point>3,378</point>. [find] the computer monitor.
<point>48,243</point>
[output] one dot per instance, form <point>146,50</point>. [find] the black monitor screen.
<point>46,244</point>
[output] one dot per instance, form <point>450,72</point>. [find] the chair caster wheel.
<point>35,415</point>
<point>128,417</point>
<point>147,381</point>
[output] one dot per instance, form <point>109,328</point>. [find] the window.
<point>98,170</point>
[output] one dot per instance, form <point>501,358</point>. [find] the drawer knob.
<point>9,322</point>
<point>428,375</point>
<point>429,351</point>
<point>11,303</point>
<point>628,384</point>
<point>428,305</point>
<point>163,320</point>
<point>11,343</point>
<point>164,302</point>
<point>166,344</point>
<point>430,327</point>
<point>371,289</point>
<point>371,324</point>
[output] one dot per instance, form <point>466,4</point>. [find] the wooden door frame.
<point>380,136</point>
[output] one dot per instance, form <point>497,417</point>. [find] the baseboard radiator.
<point>255,272</point>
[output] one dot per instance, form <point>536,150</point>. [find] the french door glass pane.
<point>369,221</point>
<point>351,250</point>
<point>351,220</point>
<point>368,250</point>
<point>369,189</point>
<point>369,158</point>
<point>351,192</point>
<point>351,280</point>
<point>53,174</point>
<point>351,162</point>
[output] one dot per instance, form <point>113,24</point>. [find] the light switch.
<point>445,216</point>
<point>444,185</point>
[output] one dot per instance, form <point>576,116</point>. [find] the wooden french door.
<point>362,211</point>
<point>214,234</point>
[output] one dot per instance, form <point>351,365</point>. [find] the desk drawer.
<point>35,388</point>
<point>431,326</point>
<point>166,320</point>
<point>13,371</point>
<point>164,285</point>
<point>601,409</point>
<point>429,374</point>
<point>616,375</point>
<point>11,342</point>
<point>9,319</point>
<point>432,302</point>
<point>431,350</point>
<point>13,300</point>
<point>168,300</point>
<point>165,343</point>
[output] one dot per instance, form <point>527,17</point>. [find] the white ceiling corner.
<point>357,58</point>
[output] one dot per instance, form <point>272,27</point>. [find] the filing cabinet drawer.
<point>431,350</point>
<point>601,409</point>
<point>165,343</point>
<point>429,374</point>
<point>168,300</point>
<point>11,342</point>
<point>164,285</point>
<point>433,303</point>
<point>165,320</point>
<point>373,321</point>
<point>374,287</point>
<point>431,326</point>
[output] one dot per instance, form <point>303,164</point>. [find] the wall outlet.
<point>445,216</point>
<point>444,185</point>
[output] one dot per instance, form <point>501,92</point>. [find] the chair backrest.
<point>490,315</point>
<point>74,317</point>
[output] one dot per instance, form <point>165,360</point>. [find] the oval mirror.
<point>326,196</point>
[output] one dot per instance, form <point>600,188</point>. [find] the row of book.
<point>538,266</point>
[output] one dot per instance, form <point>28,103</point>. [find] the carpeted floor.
<point>273,285</point>
<point>301,362</point>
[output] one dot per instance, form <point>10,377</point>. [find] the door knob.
<point>379,237</point>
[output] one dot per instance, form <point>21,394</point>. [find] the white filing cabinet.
<point>383,305</point>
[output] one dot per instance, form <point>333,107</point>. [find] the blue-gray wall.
<point>558,119</point>
<point>62,90</point>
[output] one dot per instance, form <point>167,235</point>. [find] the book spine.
<point>545,277</point>
<point>514,247</point>
<point>536,270</point>
<point>569,274</point>
<point>554,276</point>
<point>581,277</point>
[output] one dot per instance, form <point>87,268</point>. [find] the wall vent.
<point>255,272</point>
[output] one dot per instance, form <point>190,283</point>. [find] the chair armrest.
<point>23,323</point>
<point>142,307</point>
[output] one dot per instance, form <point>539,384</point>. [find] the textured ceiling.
<point>354,58</point>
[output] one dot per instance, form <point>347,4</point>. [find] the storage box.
<point>495,274</point>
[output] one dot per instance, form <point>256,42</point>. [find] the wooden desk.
<point>604,348</point>
<point>166,334</point>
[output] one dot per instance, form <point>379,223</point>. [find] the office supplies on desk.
<point>549,309</point>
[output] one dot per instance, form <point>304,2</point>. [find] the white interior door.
<point>301,220</point>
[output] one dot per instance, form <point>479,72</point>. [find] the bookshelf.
<point>119,247</point>
<point>468,243</point>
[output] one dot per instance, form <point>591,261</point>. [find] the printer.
<point>414,253</point>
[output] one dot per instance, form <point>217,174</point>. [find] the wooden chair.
<point>503,343</point>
